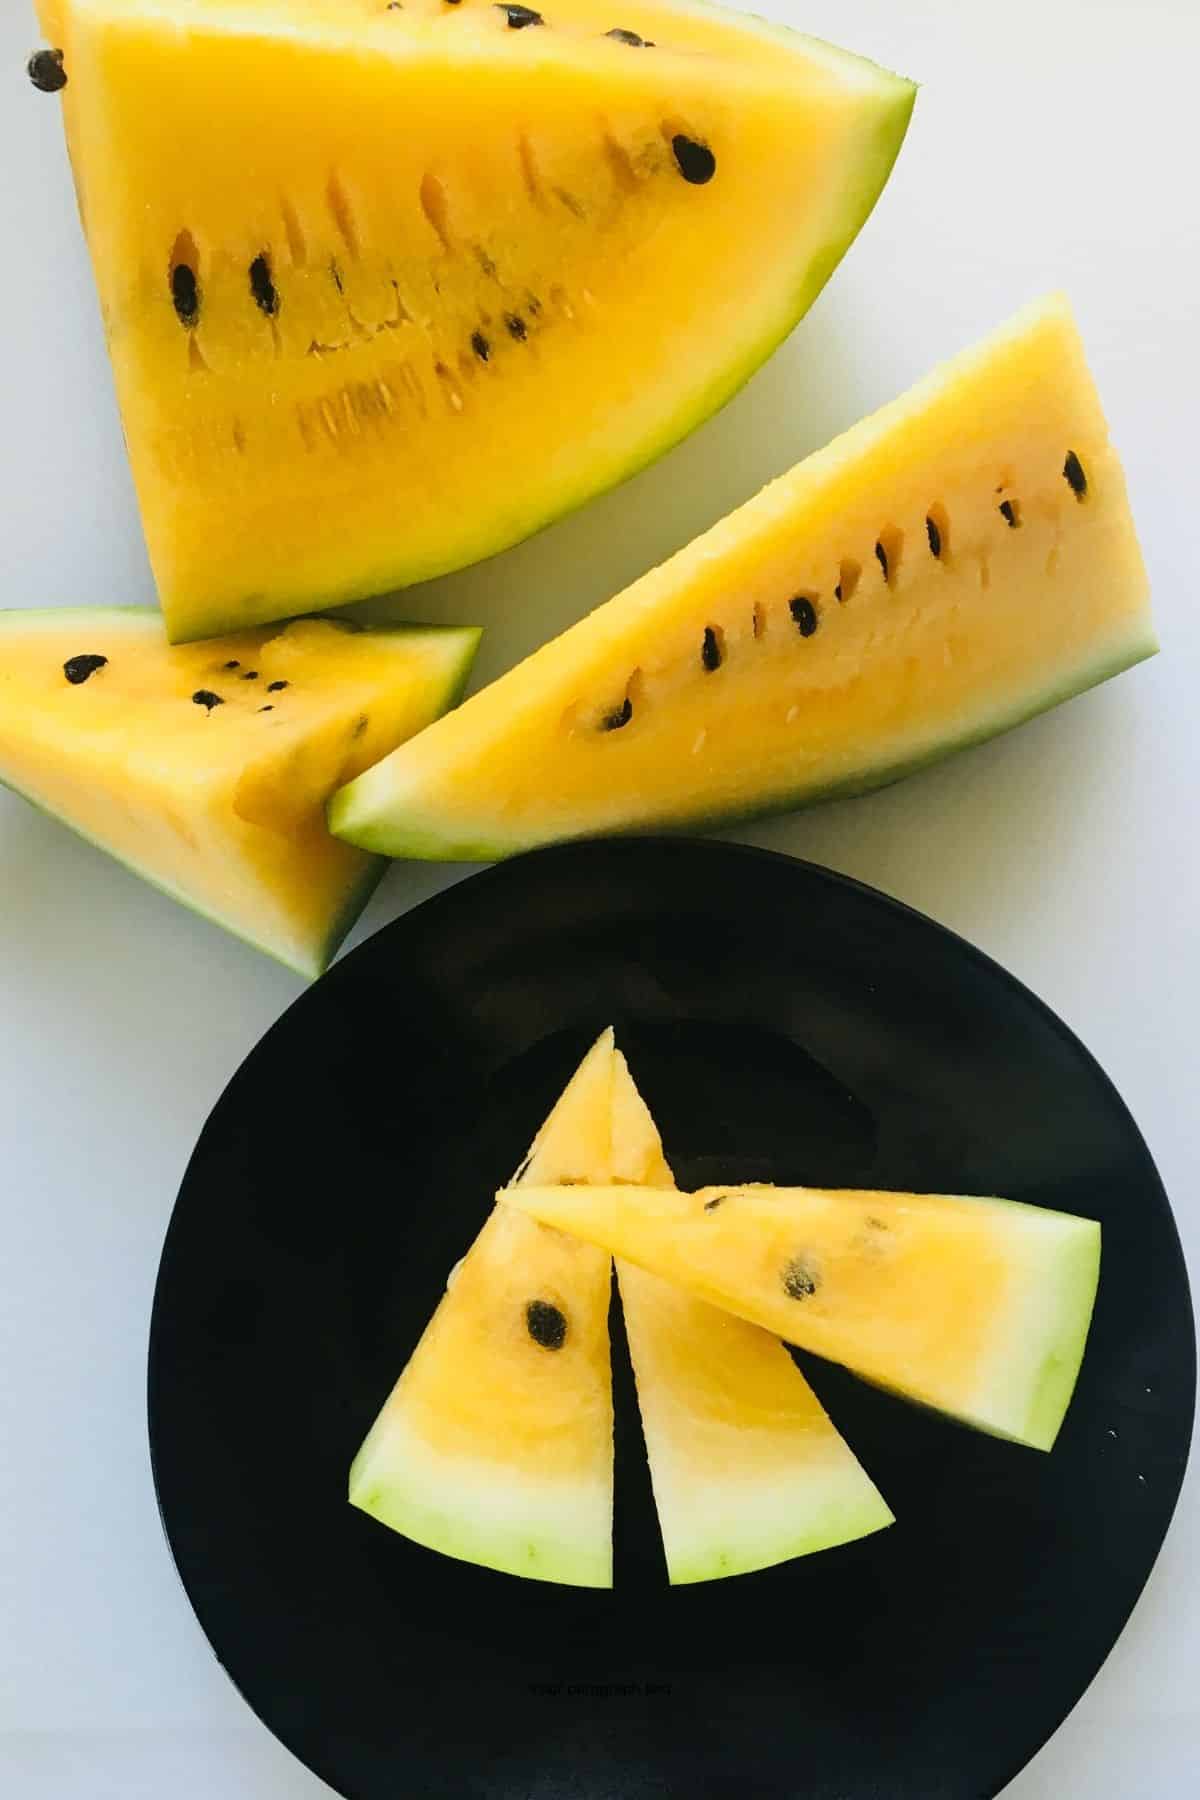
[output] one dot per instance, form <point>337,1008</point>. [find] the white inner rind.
<point>521,1522</point>
<point>1039,1343</point>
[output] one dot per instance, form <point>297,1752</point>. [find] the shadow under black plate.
<point>784,1024</point>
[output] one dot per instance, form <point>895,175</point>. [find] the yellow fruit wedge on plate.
<point>979,1307</point>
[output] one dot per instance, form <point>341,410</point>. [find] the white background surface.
<point>1054,143</point>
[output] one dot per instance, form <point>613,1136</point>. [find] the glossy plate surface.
<point>784,1024</point>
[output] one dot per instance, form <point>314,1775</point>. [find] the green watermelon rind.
<point>394,833</point>
<point>96,619</point>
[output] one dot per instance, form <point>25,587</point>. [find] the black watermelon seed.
<point>697,163</point>
<point>520,16</point>
<point>1075,477</point>
<point>628,37</point>
<point>805,614</point>
<point>710,652</point>
<point>185,293</point>
<point>480,346</point>
<point>276,687</point>
<point>837,592</point>
<point>546,1324</point>
<point>935,536</point>
<point>517,327</point>
<point>262,287</point>
<point>78,668</point>
<point>267,708</point>
<point>45,70</point>
<point>250,675</point>
<point>206,697</point>
<point>613,721</point>
<point>881,553</point>
<point>392,6</point>
<point>233,663</point>
<point>799,1279</point>
<point>1008,513</point>
<point>712,1205</point>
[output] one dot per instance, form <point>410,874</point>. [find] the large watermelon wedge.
<point>979,1307</point>
<point>959,561</point>
<point>388,287</point>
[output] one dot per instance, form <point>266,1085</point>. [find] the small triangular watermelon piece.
<point>496,1444</point>
<point>978,1307</point>
<point>747,1467</point>
<point>390,287</point>
<point>206,768</point>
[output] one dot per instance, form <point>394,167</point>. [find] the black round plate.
<point>784,1024</point>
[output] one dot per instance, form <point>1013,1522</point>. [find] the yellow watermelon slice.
<point>748,1468</point>
<point>979,1307</point>
<point>387,287</point>
<point>496,1444</point>
<point>206,768</point>
<point>961,560</point>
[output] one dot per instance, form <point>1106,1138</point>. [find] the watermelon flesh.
<point>387,289</point>
<point>959,561</point>
<point>978,1307</point>
<point>206,768</point>
<point>496,1444</point>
